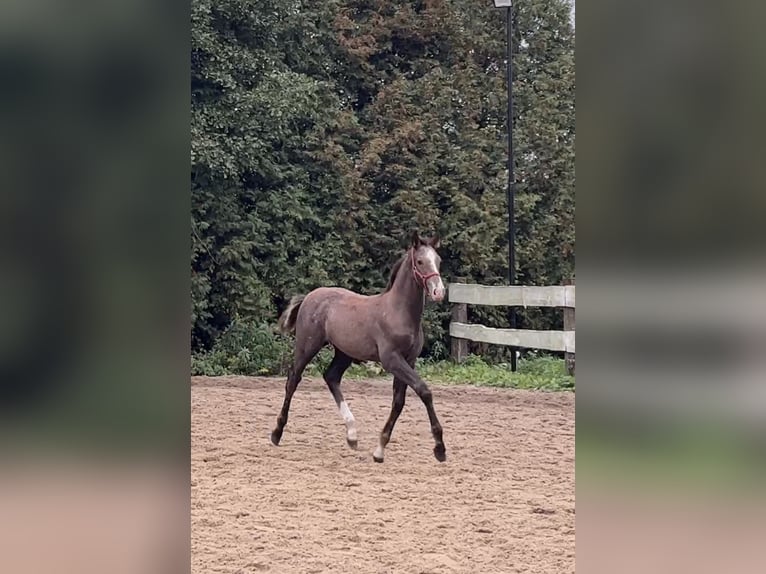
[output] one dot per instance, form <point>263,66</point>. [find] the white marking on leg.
<point>348,418</point>
<point>379,451</point>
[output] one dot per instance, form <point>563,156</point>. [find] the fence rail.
<point>548,340</point>
<point>461,331</point>
<point>515,296</point>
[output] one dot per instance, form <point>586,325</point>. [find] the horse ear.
<point>415,240</point>
<point>435,241</point>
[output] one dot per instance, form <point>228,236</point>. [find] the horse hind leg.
<point>306,348</point>
<point>332,377</point>
<point>397,404</point>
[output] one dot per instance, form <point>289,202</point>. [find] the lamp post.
<point>508,6</point>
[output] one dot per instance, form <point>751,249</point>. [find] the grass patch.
<point>541,373</point>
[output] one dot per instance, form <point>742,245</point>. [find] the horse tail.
<point>286,322</point>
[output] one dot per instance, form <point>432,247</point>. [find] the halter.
<point>418,275</point>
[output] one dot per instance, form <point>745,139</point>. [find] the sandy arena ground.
<point>503,502</point>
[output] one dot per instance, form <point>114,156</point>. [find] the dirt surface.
<point>503,502</point>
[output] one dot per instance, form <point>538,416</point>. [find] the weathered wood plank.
<point>516,295</point>
<point>458,346</point>
<point>569,325</point>
<point>548,340</point>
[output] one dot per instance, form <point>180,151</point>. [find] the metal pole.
<point>510,191</point>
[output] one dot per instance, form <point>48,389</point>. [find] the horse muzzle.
<point>436,289</point>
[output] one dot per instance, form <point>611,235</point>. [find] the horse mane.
<point>394,271</point>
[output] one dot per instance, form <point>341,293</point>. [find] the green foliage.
<point>542,373</point>
<point>323,132</point>
<point>320,363</point>
<point>245,349</point>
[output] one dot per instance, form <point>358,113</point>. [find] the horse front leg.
<point>400,392</point>
<point>395,364</point>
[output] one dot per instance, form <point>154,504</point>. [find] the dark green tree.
<point>323,132</point>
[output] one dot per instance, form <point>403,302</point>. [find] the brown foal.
<point>386,328</point>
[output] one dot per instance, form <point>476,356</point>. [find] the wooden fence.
<point>464,294</point>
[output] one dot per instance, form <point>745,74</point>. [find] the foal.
<point>385,328</point>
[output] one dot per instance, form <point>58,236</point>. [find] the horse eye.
<point>420,262</point>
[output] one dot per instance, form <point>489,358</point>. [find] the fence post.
<point>459,347</point>
<point>569,325</point>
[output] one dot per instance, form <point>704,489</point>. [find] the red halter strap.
<point>418,275</point>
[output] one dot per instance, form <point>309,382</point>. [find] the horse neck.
<point>407,292</point>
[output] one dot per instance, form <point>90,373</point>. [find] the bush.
<point>246,349</point>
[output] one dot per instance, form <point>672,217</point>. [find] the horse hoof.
<point>276,437</point>
<point>352,443</point>
<point>440,453</point>
<point>377,459</point>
